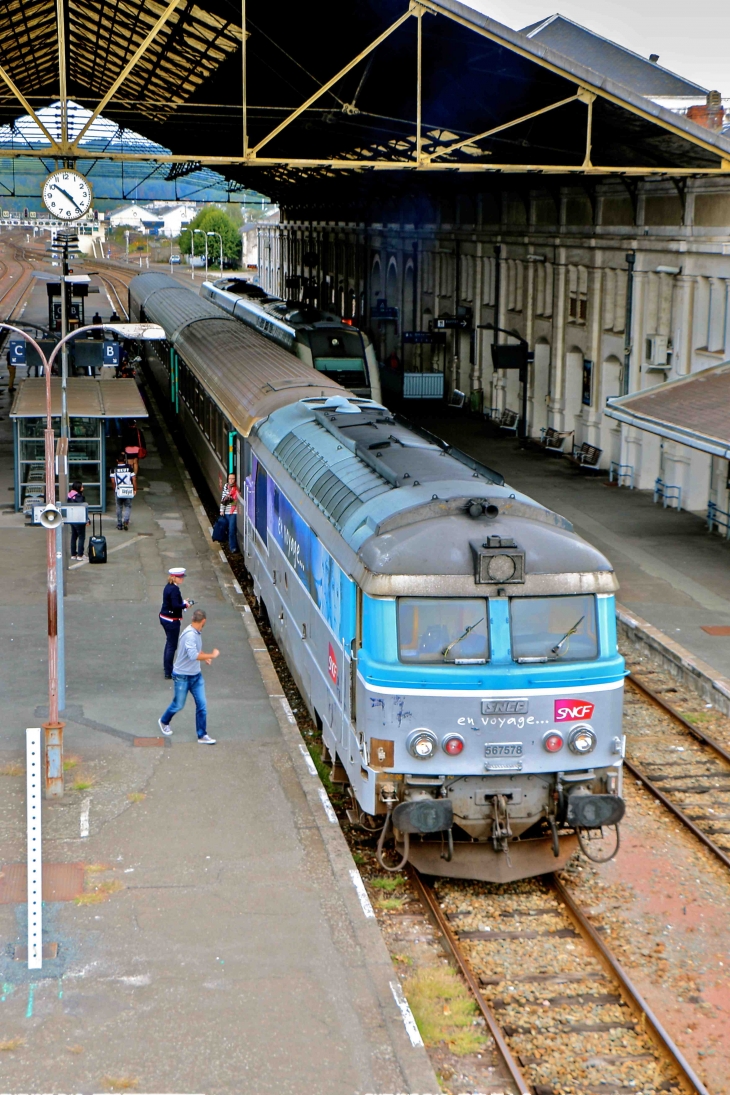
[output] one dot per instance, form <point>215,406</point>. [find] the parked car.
<point>175,260</point>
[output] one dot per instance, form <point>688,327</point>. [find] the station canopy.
<point>86,398</point>
<point>694,410</point>
<point>297,101</point>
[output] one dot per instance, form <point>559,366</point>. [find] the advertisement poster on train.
<point>291,533</point>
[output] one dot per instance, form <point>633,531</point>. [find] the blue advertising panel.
<point>291,533</point>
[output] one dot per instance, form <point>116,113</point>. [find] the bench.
<point>586,457</point>
<point>550,440</point>
<point>508,421</point>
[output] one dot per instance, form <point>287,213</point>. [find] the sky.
<point>692,42</point>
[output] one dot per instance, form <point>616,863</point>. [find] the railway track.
<point>687,771</point>
<point>565,1017</point>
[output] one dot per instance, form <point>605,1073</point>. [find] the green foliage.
<point>443,1010</point>
<point>213,219</point>
<point>388,884</point>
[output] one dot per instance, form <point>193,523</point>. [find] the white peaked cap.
<point>179,572</point>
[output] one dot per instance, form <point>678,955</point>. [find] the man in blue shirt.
<point>187,675</point>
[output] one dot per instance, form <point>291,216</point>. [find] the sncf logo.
<point>572,710</point>
<point>332,664</point>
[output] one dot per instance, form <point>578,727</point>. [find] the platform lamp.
<point>200,232</point>
<point>52,519</point>
<point>220,241</point>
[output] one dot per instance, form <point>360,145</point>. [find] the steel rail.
<point>429,900</point>
<point>631,994</point>
<point>679,717</point>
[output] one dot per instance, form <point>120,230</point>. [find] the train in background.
<point>454,640</point>
<point>320,339</point>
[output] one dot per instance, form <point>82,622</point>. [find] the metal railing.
<point>669,495</point>
<point>718,518</point>
<point>621,472</point>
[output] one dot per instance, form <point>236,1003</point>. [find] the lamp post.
<point>220,241</point>
<point>53,518</point>
<point>200,232</point>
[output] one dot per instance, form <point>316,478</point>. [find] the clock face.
<point>66,195</point>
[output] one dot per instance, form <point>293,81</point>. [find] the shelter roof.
<point>694,410</point>
<point>623,65</point>
<point>406,89</point>
<point>86,398</point>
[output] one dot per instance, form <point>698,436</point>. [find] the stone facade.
<point>552,265</point>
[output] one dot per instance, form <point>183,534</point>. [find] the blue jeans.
<point>185,683</point>
<point>232,538</point>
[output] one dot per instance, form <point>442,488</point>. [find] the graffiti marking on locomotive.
<point>573,710</point>
<point>505,707</point>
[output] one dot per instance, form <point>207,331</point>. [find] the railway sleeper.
<point>561,933</point>
<point>543,978</point>
<point>582,998</point>
<point>510,1030</point>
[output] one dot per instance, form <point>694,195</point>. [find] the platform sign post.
<point>35,858</point>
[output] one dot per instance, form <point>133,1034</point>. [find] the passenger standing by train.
<point>188,678</point>
<point>171,615</point>
<point>125,488</point>
<point>229,510</point>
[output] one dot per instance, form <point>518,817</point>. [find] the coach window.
<point>261,502</point>
<point>440,631</point>
<point>552,629</point>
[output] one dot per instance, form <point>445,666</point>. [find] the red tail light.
<point>553,742</point>
<point>453,745</point>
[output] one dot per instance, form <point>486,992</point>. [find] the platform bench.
<point>586,457</point>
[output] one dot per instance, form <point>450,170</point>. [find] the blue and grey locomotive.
<point>319,338</point>
<point>454,640</point>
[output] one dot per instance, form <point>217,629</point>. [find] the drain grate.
<point>61,882</point>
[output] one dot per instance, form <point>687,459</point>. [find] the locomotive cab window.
<point>444,631</point>
<point>552,629</point>
<point>339,355</point>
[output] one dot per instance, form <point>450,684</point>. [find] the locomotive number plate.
<point>503,749</point>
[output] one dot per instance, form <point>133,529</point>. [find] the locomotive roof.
<point>246,374</point>
<point>400,500</point>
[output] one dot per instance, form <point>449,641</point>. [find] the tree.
<point>212,219</point>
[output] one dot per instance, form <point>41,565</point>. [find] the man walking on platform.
<point>187,675</point>
<point>171,615</point>
<point>125,488</point>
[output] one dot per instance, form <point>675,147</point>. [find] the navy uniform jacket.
<point>173,604</point>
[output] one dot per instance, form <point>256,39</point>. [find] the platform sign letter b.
<point>111,353</point>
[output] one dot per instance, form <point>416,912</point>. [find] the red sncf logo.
<point>332,664</point>
<point>572,710</point>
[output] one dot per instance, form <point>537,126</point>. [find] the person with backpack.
<point>125,488</point>
<point>78,531</point>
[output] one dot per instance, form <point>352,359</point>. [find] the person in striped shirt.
<point>229,510</point>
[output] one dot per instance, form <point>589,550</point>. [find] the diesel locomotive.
<point>454,640</point>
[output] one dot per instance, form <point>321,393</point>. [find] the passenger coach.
<point>454,640</point>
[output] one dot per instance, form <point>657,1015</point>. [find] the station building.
<point>558,261</point>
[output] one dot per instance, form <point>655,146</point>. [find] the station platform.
<point>674,574</point>
<point>207,934</point>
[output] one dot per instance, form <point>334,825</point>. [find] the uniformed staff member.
<point>171,615</point>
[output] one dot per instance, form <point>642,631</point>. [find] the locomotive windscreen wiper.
<point>556,649</point>
<point>450,647</point>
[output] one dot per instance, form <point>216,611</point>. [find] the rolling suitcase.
<point>97,544</point>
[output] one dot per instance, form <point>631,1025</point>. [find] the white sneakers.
<point>206,740</point>
<point>166,730</point>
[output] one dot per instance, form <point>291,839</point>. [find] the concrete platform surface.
<point>673,572</point>
<point>219,945</point>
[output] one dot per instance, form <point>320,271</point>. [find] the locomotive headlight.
<point>421,743</point>
<point>452,744</point>
<point>553,741</point>
<point>582,740</point>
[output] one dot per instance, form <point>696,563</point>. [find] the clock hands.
<point>67,195</point>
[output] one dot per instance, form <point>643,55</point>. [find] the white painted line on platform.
<point>331,815</point>
<point>110,551</point>
<point>245,609</point>
<point>311,767</point>
<point>290,717</point>
<point>237,587</point>
<point>362,893</point>
<point>408,1021</point>
<point>84,820</point>
<point>223,556</point>
<point>35,855</point>
<point>210,531</point>
<point>202,510</point>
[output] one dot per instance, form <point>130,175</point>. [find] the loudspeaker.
<point>51,516</point>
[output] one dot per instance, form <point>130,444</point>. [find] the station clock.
<point>66,194</point>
